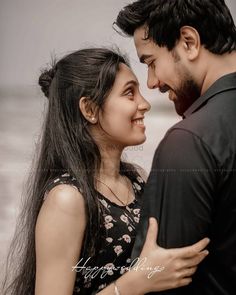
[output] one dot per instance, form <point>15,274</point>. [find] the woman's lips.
<point>138,122</point>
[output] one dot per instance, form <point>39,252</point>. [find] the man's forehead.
<point>140,35</point>
<point>144,47</point>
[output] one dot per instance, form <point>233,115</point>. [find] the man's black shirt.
<point>191,189</point>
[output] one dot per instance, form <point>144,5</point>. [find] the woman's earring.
<point>93,119</point>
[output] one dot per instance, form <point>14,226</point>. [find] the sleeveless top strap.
<point>65,178</point>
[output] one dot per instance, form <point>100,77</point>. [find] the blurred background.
<point>30,32</point>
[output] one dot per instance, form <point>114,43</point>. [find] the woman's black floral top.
<point>119,225</point>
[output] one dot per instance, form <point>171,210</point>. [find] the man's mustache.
<point>164,88</point>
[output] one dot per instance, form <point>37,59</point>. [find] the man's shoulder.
<point>215,114</point>
<point>213,125</point>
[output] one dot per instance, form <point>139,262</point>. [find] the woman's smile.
<point>139,122</point>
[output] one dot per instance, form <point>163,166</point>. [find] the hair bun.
<point>45,80</point>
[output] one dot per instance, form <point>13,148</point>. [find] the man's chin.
<point>179,109</point>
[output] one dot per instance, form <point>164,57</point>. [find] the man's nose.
<point>152,80</point>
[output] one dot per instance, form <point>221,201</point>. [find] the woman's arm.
<point>58,236</point>
<point>179,265</point>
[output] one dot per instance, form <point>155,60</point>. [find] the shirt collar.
<point>224,83</point>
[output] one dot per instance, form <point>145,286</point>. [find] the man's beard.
<point>188,91</point>
<point>186,95</point>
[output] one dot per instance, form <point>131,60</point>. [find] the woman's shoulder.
<point>64,178</point>
<point>65,191</point>
<point>138,178</point>
<point>142,174</point>
<point>66,198</point>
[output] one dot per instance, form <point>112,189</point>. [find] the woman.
<point>84,203</point>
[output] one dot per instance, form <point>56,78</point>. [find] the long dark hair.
<point>65,146</point>
<point>164,18</point>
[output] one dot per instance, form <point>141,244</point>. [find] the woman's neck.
<point>110,182</point>
<point>110,162</point>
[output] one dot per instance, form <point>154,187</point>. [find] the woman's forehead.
<point>124,76</point>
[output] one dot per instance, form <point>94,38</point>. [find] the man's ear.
<point>88,109</point>
<point>190,41</point>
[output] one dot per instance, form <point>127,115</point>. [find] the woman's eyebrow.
<point>131,82</point>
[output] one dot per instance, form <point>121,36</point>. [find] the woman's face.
<point>121,119</point>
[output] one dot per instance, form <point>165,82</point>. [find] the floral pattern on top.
<point>116,241</point>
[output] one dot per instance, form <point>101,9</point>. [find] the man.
<point>189,47</point>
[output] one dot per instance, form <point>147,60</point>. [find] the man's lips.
<point>166,88</point>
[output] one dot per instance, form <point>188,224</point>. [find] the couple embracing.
<point>86,204</point>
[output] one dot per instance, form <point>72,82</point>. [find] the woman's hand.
<point>160,269</point>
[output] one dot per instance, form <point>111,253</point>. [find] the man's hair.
<point>164,18</point>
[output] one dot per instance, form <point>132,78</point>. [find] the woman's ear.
<point>88,109</point>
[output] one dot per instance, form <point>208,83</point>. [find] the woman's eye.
<point>129,93</point>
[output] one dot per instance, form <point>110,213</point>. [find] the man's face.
<point>167,71</point>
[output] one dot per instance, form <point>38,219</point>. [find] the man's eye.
<point>151,64</point>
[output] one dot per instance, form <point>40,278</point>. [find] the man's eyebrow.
<point>144,57</point>
<point>133,82</point>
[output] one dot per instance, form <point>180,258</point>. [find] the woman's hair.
<point>164,18</point>
<point>65,146</point>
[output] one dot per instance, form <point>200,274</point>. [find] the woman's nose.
<point>144,105</point>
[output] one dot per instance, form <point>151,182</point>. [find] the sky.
<point>32,30</point>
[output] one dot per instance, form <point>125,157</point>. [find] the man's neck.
<point>218,66</point>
